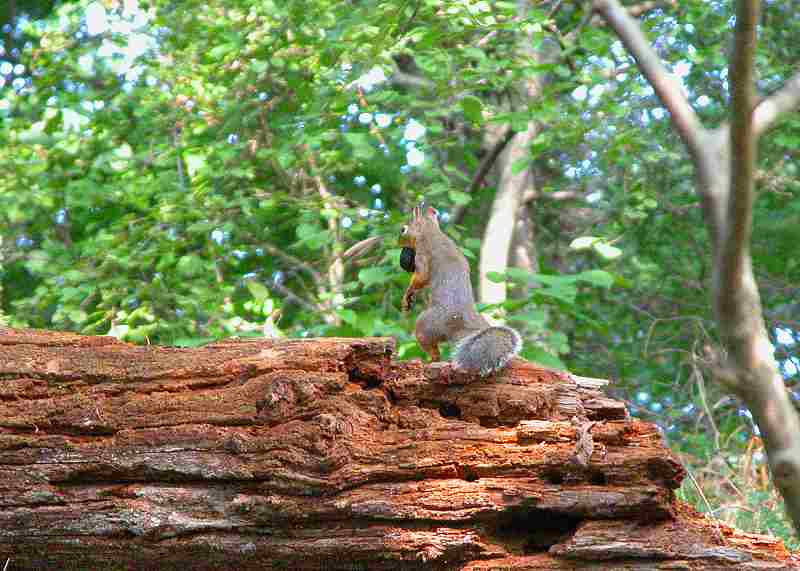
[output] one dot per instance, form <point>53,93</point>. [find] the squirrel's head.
<point>422,219</point>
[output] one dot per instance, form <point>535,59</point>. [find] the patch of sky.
<point>383,120</point>
<point>121,57</point>
<point>360,180</point>
<point>375,189</point>
<point>682,69</point>
<point>415,157</point>
<point>365,118</point>
<point>347,222</point>
<point>580,93</point>
<point>785,336</point>
<point>414,130</point>
<point>790,367</point>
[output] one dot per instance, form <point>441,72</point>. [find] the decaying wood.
<point>326,453</point>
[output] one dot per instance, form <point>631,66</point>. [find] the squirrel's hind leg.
<point>430,333</point>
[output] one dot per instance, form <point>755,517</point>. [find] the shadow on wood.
<point>326,453</point>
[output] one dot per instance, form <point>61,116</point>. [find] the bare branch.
<point>786,99</point>
<point>664,83</point>
<point>734,243</point>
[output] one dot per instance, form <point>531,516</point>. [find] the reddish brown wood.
<point>327,453</point>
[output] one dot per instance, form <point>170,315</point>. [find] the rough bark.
<point>326,453</point>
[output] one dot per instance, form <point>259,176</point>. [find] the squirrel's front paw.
<point>408,301</point>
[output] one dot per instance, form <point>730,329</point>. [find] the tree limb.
<point>734,244</point>
<point>786,99</point>
<point>667,88</point>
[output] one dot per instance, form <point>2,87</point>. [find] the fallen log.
<point>326,453</point>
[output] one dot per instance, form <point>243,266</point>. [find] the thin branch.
<point>786,99</point>
<point>293,297</point>
<point>483,169</point>
<point>665,84</point>
<point>275,251</point>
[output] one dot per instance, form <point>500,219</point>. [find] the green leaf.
<point>458,197</point>
<point>607,251</point>
<point>348,316</point>
<point>495,277</point>
<point>542,357</point>
<point>599,278</point>
<point>583,243</point>
<point>472,108</point>
<point>373,276</point>
<point>258,290</point>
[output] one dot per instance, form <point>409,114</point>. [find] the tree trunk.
<point>316,453</point>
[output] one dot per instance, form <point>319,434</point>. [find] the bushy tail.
<point>487,351</point>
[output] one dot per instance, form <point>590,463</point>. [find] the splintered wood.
<point>326,453</point>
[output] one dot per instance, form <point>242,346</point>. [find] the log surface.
<point>326,453</point>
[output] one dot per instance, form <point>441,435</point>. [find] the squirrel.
<point>436,262</point>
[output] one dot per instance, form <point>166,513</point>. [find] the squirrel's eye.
<point>404,230</point>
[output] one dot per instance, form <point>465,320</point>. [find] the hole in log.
<point>555,477</point>
<point>470,475</point>
<point>356,375</point>
<point>449,410</point>
<point>598,479</point>
<point>534,531</point>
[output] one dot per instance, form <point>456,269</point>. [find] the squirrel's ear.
<point>432,212</point>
